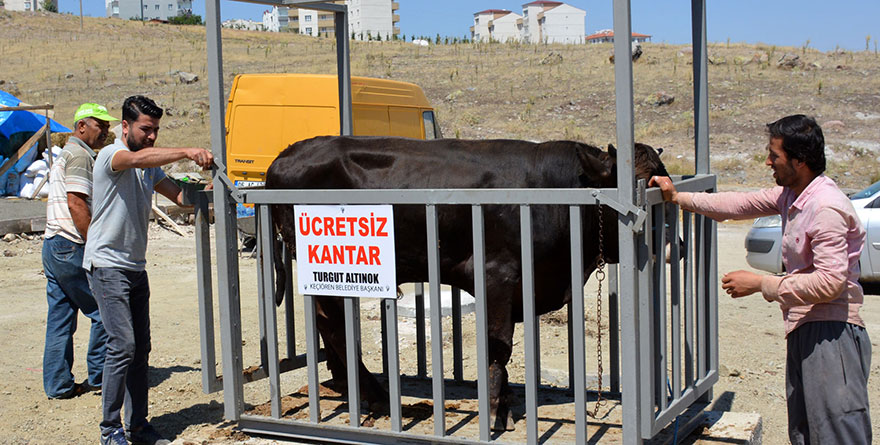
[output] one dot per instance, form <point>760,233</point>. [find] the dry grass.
<point>479,90</point>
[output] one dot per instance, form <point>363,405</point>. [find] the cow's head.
<point>647,161</point>
<point>599,168</point>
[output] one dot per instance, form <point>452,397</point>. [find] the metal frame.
<point>639,280</point>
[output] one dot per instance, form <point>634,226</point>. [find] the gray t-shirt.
<point>121,208</point>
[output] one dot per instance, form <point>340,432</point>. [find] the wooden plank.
<point>23,149</point>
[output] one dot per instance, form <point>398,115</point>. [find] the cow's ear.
<point>596,164</point>
<point>612,151</point>
<point>659,151</point>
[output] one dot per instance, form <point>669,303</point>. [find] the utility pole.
<point>142,11</point>
<point>81,15</point>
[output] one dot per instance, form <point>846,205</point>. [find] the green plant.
<point>49,6</point>
<point>187,18</point>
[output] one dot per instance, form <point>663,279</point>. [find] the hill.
<point>535,92</point>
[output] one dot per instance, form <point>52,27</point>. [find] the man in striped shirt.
<point>67,291</point>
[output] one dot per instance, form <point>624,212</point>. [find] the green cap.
<point>92,110</point>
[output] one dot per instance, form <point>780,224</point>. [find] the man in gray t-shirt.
<point>126,174</point>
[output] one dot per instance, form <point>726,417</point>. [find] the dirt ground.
<point>751,342</point>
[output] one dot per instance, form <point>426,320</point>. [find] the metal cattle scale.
<point>663,322</point>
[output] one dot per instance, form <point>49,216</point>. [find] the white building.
<point>607,36</point>
<point>498,25</point>
<point>367,19</point>
<point>152,9</point>
<point>248,25</point>
<point>552,22</point>
<point>26,5</point>
<point>275,19</point>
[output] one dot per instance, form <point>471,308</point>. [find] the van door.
<point>432,131</point>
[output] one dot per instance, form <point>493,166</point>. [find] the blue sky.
<point>825,24</point>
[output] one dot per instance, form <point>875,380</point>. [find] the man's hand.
<point>666,187</point>
<point>741,283</point>
<point>202,157</point>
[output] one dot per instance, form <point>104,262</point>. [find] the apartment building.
<point>27,5</point>
<point>367,19</point>
<point>276,19</point>
<point>498,25</point>
<point>552,22</point>
<point>152,9</point>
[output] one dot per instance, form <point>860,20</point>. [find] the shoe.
<point>77,390</point>
<point>146,435</point>
<point>117,437</point>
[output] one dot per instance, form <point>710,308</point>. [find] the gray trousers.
<point>123,298</point>
<point>826,384</point>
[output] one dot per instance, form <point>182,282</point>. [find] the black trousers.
<point>826,384</point>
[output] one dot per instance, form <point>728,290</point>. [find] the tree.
<point>186,18</point>
<point>437,40</point>
<point>49,5</point>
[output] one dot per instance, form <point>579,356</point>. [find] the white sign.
<point>345,250</point>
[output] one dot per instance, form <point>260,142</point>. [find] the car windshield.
<point>768,221</point>
<point>868,192</point>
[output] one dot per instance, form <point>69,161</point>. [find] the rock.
<point>842,68</point>
<point>184,77</point>
<point>8,253</point>
<point>789,61</point>
<point>760,58</point>
<point>661,98</point>
<point>9,237</point>
<point>10,87</point>
<point>742,60</point>
<point>833,125</point>
<point>554,58</point>
<point>686,51</point>
<point>717,60</point>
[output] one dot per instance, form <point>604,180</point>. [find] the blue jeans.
<point>124,299</point>
<point>67,292</point>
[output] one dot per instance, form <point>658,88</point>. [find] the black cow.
<point>398,163</point>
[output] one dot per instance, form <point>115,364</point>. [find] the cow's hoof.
<point>503,422</point>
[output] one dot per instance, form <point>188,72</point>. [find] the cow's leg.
<point>500,320</point>
<point>329,317</point>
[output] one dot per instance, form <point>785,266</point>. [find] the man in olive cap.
<point>67,221</point>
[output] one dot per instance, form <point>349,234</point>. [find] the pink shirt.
<point>821,244</point>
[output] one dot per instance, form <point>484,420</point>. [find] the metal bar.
<point>457,365</point>
<point>430,196</point>
<point>337,434</point>
<point>390,319</point>
<point>312,358</point>
<point>699,294</point>
<point>660,346</point>
<point>688,398</point>
<point>343,73</point>
<point>530,323</point>
<point>269,318</point>
<point>613,328</point>
<point>289,312</point>
<point>352,359</point>
<point>436,321</point>
<point>675,293</point>
<point>481,310</point>
<point>577,326</point>
<point>225,225</point>
<point>687,230</point>
<point>24,148</point>
<point>421,338</point>
<point>701,85</point>
<point>711,296</point>
<point>206,296</point>
<point>261,289</point>
<point>646,326</point>
<point>384,339</point>
<point>570,331</point>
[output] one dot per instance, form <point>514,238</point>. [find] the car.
<point>764,240</point>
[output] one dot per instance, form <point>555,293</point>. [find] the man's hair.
<point>802,139</point>
<point>134,106</point>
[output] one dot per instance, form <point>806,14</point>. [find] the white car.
<point>764,240</point>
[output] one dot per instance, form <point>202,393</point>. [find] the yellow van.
<point>268,112</point>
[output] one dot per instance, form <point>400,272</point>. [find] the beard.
<point>135,145</point>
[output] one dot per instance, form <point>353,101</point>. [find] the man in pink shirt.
<point>828,350</point>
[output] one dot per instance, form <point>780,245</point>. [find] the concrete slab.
<point>406,306</point>
<point>718,427</point>
<point>19,215</point>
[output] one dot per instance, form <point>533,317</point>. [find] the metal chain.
<point>600,276</point>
